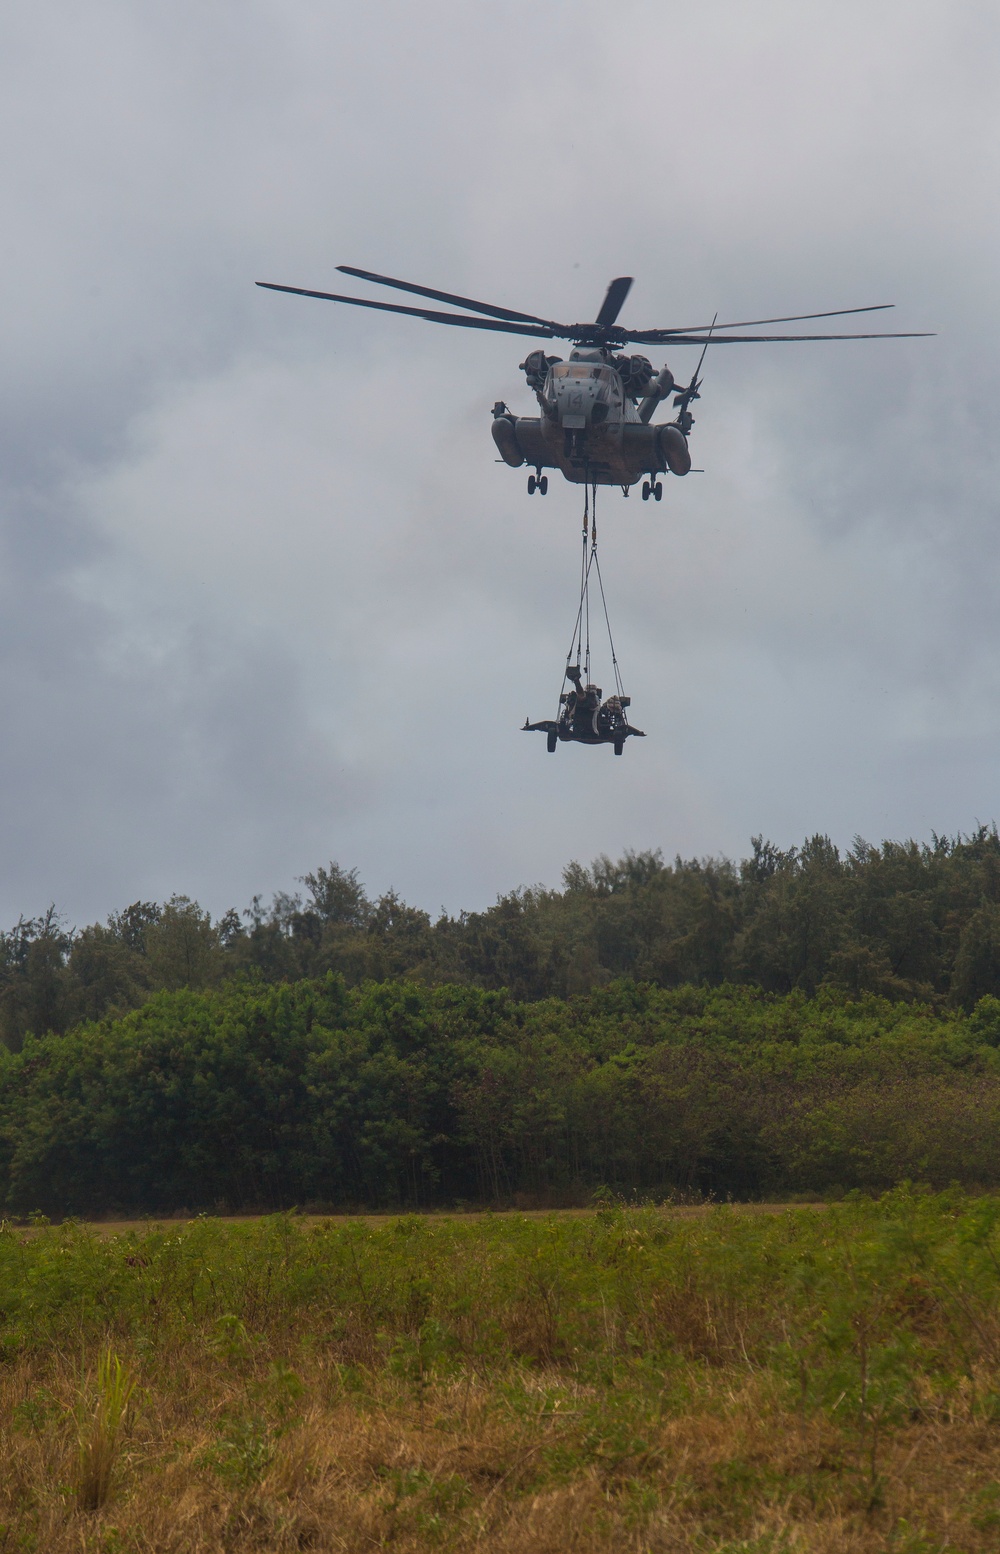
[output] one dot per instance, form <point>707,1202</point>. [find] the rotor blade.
<point>435,318</point>
<point>613,301</point>
<point>663,337</point>
<point>445,296</point>
<point>793,318</point>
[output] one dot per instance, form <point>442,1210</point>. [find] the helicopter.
<point>596,408</point>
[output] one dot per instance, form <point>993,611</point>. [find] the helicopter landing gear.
<point>619,747</point>
<point>539,483</point>
<point>550,742</point>
<point>654,489</point>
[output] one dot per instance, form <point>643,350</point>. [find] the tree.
<point>182,946</point>
<point>977,964</point>
<point>34,984</point>
<point>107,975</point>
<point>337,897</point>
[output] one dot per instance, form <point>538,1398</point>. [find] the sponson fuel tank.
<point>674,448</point>
<point>656,447</point>
<point>519,441</point>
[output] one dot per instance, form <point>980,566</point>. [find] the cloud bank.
<point>267,598</point>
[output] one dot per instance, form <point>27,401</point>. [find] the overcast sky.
<point>267,599</point>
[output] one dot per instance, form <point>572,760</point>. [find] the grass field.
<point>627,1380</point>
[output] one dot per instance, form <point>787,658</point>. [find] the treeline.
<point>904,920</point>
<point>399,1094</point>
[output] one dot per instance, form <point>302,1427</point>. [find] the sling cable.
<point>583,718</point>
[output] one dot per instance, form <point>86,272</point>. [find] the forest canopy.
<point>397,1094</point>
<point>802,1022</point>
<point>904,920</point>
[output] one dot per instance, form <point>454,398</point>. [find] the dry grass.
<point>211,1461</point>
<point>681,1210</point>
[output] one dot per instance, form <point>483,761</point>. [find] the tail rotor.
<point>685,419</point>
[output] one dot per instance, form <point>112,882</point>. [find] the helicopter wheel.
<point>543,484</point>
<point>550,743</point>
<point>658,491</point>
<point>645,490</point>
<point>619,747</point>
<point>532,483</point>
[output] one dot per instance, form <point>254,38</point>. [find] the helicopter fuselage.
<point>594,424</point>
<point>590,428</point>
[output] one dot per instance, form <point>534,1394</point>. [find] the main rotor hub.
<point>602,337</point>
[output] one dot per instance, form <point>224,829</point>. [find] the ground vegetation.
<point>731,1382</point>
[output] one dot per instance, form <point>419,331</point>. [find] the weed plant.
<point>638,1379</point>
<point>101,1417</point>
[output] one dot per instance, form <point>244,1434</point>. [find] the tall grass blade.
<point>101,1416</point>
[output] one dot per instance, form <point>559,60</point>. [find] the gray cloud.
<point>267,598</point>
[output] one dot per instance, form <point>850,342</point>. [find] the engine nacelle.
<point>656,391</point>
<point>535,368</point>
<point>635,373</point>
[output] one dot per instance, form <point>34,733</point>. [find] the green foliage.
<point>34,1413</point>
<point>806,1022</point>
<point>182,946</point>
<point>396,1093</point>
<point>902,920</point>
<point>243,1451</point>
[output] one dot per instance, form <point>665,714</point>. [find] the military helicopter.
<point>596,408</point>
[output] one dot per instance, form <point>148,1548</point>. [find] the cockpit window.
<point>585,371</point>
